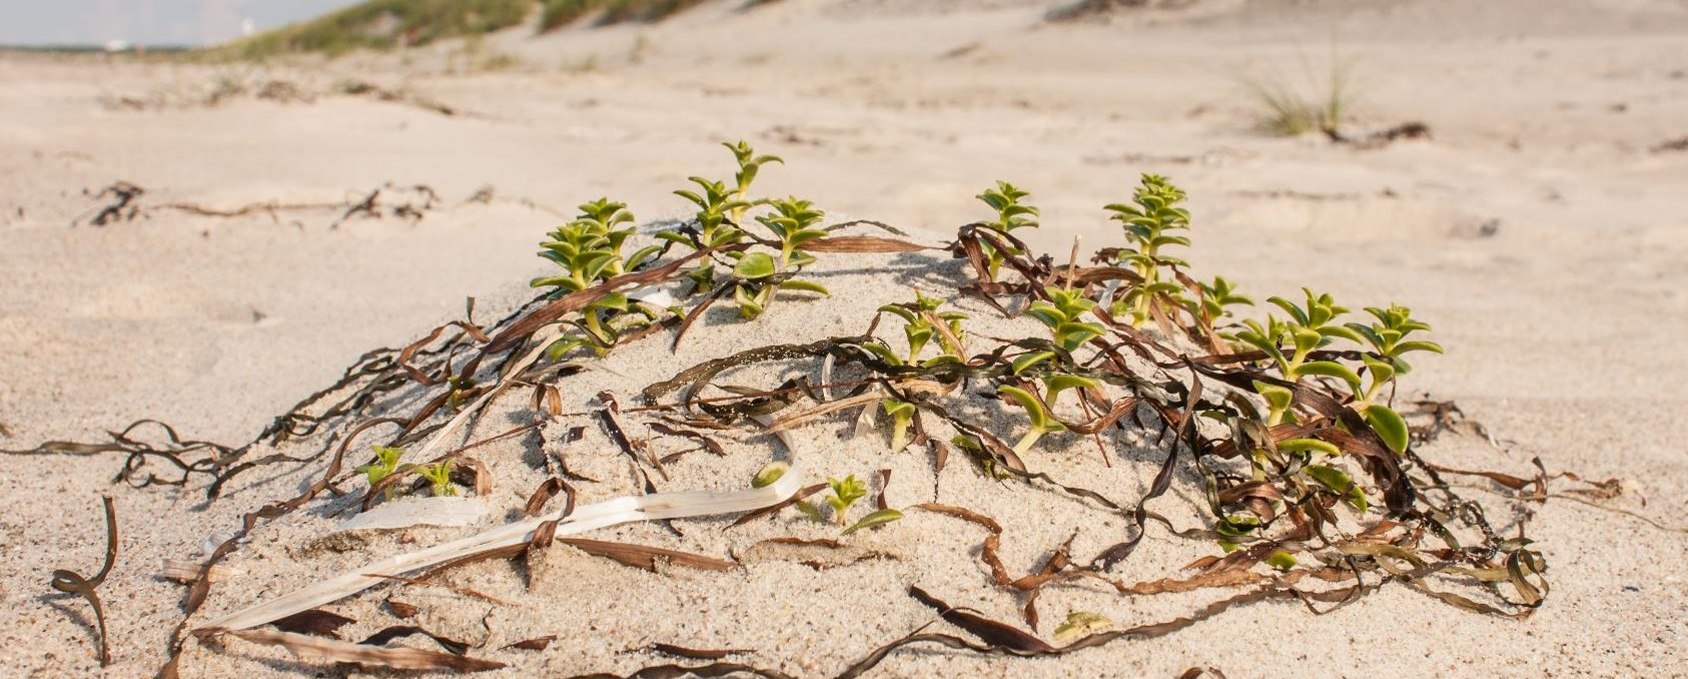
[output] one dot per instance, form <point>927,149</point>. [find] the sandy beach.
<point>1539,226</point>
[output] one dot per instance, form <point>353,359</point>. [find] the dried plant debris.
<point>363,654</point>
<point>70,582</point>
<point>315,622</point>
<point>1307,468</point>
<point>122,202</point>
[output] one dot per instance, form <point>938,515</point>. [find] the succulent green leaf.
<point>754,266</point>
<point>874,520</point>
<point>1329,369</point>
<point>1338,481</point>
<point>1305,445</point>
<point>1389,425</point>
<point>1034,409</point>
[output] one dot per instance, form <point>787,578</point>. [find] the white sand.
<point>1558,323</point>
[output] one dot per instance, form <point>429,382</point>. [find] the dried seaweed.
<point>70,582</point>
<point>646,557</point>
<point>695,653</point>
<point>315,622</point>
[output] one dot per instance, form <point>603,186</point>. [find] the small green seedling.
<point>385,463</point>
<point>716,215</point>
<point>921,321</point>
<point>1150,221</point>
<point>1213,303</point>
<point>901,414</point>
<point>845,492</point>
<point>1387,338</point>
<point>1310,327</point>
<point>1011,214</point>
<point>439,478</point>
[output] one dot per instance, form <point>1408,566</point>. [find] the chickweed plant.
<point>1011,215</point>
<point>439,478</point>
<point>922,322</point>
<point>1151,222</point>
<point>589,251</point>
<point>385,464</point>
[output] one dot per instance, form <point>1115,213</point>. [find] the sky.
<point>146,22</point>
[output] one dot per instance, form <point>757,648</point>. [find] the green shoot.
<point>845,492</point>
<point>1212,304</point>
<point>902,414</point>
<point>589,248</point>
<point>1041,420</point>
<point>749,164</point>
<point>1010,215</point>
<point>439,478</point>
<point>921,321</point>
<point>1149,222</point>
<point>385,463</point>
<point>716,215</point>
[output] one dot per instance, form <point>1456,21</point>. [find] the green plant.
<point>921,323</point>
<point>1387,337</point>
<point>1042,421</point>
<point>749,165</point>
<point>758,275</point>
<point>902,414</point>
<point>439,478</point>
<point>1309,328</point>
<point>1150,222</point>
<point>717,206</point>
<point>588,249</point>
<point>1212,303</point>
<point>385,463</point>
<point>1011,214</point>
<point>845,492</point>
<point>1061,314</point>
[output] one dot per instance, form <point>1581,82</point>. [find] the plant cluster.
<point>386,464</point>
<point>589,252</point>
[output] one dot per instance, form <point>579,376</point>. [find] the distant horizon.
<point>151,24</point>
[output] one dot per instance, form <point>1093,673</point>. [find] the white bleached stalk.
<point>620,510</point>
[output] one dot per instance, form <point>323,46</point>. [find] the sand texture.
<point>1540,227</point>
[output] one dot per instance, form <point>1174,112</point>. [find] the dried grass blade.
<point>304,646</point>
